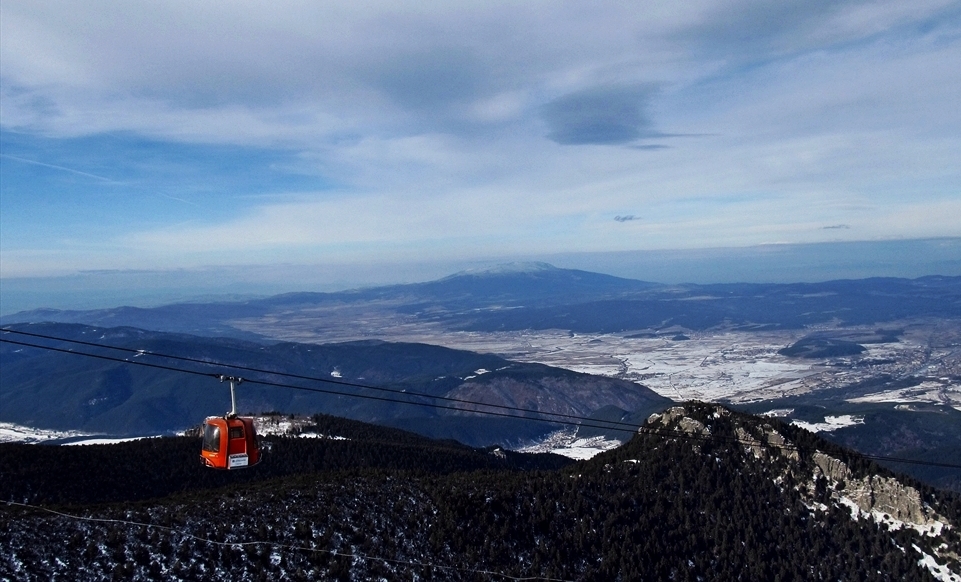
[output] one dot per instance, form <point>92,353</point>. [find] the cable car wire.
<point>540,416</point>
<point>629,427</point>
<point>353,555</point>
<point>337,382</point>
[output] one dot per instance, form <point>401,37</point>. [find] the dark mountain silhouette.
<point>700,493</point>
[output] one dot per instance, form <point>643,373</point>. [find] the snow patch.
<point>930,530</point>
<point>779,412</point>
<point>477,373</point>
<point>317,435</point>
<point>830,424</point>
<point>565,442</point>
<point>937,570</point>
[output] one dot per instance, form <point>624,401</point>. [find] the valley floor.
<point>732,365</point>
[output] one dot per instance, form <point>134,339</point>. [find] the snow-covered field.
<point>15,433</point>
<point>734,366</point>
<point>737,366</point>
<point>942,391</point>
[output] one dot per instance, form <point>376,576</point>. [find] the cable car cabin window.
<point>212,438</point>
<point>236,432</point>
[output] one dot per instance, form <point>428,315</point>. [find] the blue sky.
<point>197,136</point>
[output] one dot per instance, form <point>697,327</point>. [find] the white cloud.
<point>435,121</point>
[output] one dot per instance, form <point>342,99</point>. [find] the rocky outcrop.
<point>876,494</point>
<point>767,440</point>
<point>777,440</point>
<point>684,422</point>
<point>885,498</point>
<point>751,444</point>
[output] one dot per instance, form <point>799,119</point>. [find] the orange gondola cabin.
<point>230,441</point>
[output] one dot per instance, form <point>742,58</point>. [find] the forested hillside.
<point>158,467</point>
<point>699,494</point>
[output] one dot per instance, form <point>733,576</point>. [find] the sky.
<point>342,138</point>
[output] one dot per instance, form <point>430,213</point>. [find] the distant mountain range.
<point>63,390</point>
<point>540,296</point>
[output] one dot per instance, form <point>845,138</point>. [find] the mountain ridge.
<point>548,297</point>
<point>699,492</point>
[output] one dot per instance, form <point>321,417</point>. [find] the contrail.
<point>55,167</point>
<point>87,174</point>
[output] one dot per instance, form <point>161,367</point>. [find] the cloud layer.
<point>179,134</point>
<point>599,115</point>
